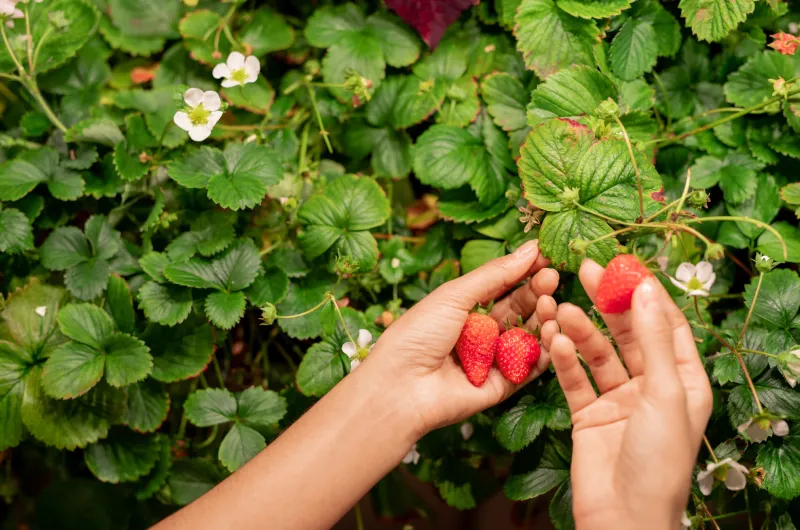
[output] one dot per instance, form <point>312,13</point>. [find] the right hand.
<point>635,445</point>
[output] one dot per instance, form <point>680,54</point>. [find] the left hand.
<point>417,350</point>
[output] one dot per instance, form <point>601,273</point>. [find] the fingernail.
<point>646,294</point>
<point>528,249</point>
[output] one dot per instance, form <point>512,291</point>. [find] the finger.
<point>490,280</point>
<point>522,302</point>
<point>596,349</point>
<point>546,309</point>
<point>654,335</point>
<point>619,325</point>
<point>549,330</point>
<point>571,375</point>
<point>499,388</point>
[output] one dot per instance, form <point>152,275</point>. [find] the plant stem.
<point>739,114</point>
<point>666,99</point>
<point>664,209</point>
<point>46,34</point>
<point>328,297</point>
<point>211,437</point>
<point>725,516</point>
<point>754,222</point>
<point>286,357</point>
<point>736,352</point>
<point>758,352</point>
<point>710,449</point>
<point>717,111</point>
<point>322,130</point>
<point>10,51</point>
<point>710,517</point>
<point>407,239</point>
<point>635,168</point>
<point>184,418</point>
<point>685,191</point>
<point>34,90</point>
<point>750,312</point>
<point>217,370</point>
<point>359,518</point>
<point>344,324</point>
<point>29,36</point>
<point>747,505</point>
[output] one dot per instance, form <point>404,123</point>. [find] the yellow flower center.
<point>240,76</point>
<point>694,284</point>
<point>199,115</point>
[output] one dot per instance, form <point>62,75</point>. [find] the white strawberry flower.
<point>694,280</point>
<point>466,431</point>
<point>238,70</point>
<point>201,113</point>
<point>41,310</point>
<point>791,368</point>
<point>9,11</point>
<point>395,263</point>
<point>759,428</point>
<point>358,352</point>
<point>685,521</point>
<point>412,457</point>
<point>732,473</point>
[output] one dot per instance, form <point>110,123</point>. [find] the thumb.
<point>493,279</point>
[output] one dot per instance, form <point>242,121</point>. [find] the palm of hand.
<point>422,340</point>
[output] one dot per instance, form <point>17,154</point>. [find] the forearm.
<point>320,467</point>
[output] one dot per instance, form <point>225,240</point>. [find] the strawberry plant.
<point>210,210</point>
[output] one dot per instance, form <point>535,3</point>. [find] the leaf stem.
<point>721,121</point>
<point>46,34</point>
<point>341,318</point>
<point>666,100</point>
<point>10,51</point>
<point>710,449</point>
<point>217,370</point>
<point>211,437</point>
<point>758,352</point>
<point>29,36</point>
<point>407,239</point>
<point>359,517</point>
<point>328,296</point>
<point>322,130</point>
<point>758,224</point>
<point>635,167</point>
<point>34,90</point>
<point>750,311</point>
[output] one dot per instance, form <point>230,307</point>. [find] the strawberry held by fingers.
<point>517,352</point>
<point>475,346</point>
<point>622,275</point>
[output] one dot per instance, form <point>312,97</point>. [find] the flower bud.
<point>698,199</point>
<point>578,246</point>
<point>608,110</point>
<point>715,251</point>
<point>268,314</point>
<point>764,263</point>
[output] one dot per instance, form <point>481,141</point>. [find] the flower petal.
<point>710,282</point>
<point>354,363</point>
<point>198,133</point>
<point>228,83</point>
<point>685,272</point>
<point>349,349</point>
<point>466,430</point>
<point>780,427</point>
<point>735,480</point>
<point>252,66</point>
<point>213,118</point>
<point>364,338</point>
<point>679,285</point>
<point>697,292</point>
<point>211,101</point>
<point>756,433</point>
<point>182,120</point>
<point>221,70</point>
<point>235,60</point>
<point>42,311</point>
<point>193,97</point>
<point>705,481</point>
<point>703,271</point>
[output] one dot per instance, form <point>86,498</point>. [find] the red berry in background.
<point>516,352</point>
<point>622,275</point>
<point>475,346</point>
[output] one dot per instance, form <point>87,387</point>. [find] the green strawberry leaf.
<point>225,309</point>
<point>101,131</point>
<point>147,406</point>
<point>86,323</point>
<point>531,477</point>
<point>190,478</point>
<point>324,364</point>
<point>62,43</point>
<point>72,370</point>
<point>769,245</point>
<point>763,205</point>
<point>576,91</point>
<point>179,352</point>
<point>390,150</point>
<point>778,301</point>
<point>780,460</point>
<point>232,271</point>
<point>520,425</point>
<point>145,18</point>
<point>255,97</point>
<point>400,45</point>
<point>236,178</point>
<point>165,304</point>
<point>751,85</point>
<point>259,407</point>
<point>120,304</point>
<point>594,8</point>
<point>505,98</point>
<point>67,424</point>
<point>562,154</point>
<point>270,287</point>
<point>16,233</point>
<point>28,319</point>
<point>736,174</point>
<point>302,296</point>
<point>14,365</point>
<point>550,39</point>
<point>267,32</point>
<point>22,174</point>
<point>477,252</point>
<point>127,359</point>
<point>123,457</point>
<point>240,445</point>
<point>211,406</point>
<point>133,45</point>
<point>634,50</point>
<point>711,20</point>
<point>338,219</point>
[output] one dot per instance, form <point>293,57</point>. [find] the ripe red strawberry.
<point>621,277</point>
<point>475,346</point>
<point>517,351</point>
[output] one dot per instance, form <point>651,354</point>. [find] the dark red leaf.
<point>430,17</point>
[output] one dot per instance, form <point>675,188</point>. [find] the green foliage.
<point>167,309</point>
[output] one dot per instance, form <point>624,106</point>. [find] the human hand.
<point>417,349</point>
<point>634,446</point>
